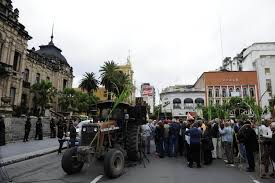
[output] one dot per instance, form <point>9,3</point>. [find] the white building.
<point>148,95</point>
<point>179,100</point>
<point>259,57</point>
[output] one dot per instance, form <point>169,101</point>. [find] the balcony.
<point>5,69</point>
<point>26,84</point>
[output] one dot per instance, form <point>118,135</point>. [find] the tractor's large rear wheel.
<point>69,161</point>
<point>133,142</point>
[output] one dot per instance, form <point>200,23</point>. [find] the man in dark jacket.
<point>2,131</point>
<point>28,126</point>
<point>73,134</point>
<point>248,136</point>
<point>159,135</point>
<point>173,138</point>
<point>195,140</point>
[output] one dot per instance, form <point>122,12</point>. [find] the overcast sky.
<point>171,42</point>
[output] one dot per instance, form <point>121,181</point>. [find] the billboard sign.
<point>147,90</point>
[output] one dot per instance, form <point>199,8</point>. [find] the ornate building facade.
<point>20,68</point>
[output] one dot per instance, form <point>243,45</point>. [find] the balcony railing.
<point>5,69</point>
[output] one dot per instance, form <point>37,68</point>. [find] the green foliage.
<point>236,105</point>
<point>115,81</point>
<point>89,82</point>
<point>43,94</point>
<point>77,100</point>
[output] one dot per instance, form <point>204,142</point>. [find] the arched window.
<point>177,103</point>
<point>230,92</point>
<point>199,102</point>
<point>224,92</point>
<point>217,92</point>
<point>252,93</point>
<point>37,78</point>
<point>26,75</point>
<point>188,103</point>
<point>244,92</point>
<point>210,92</point>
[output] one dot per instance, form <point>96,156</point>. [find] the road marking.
<point>254,180</point>
<point>97,179</point>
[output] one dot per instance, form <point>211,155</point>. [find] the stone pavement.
<point>20,151</point>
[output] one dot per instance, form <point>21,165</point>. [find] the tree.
<point>109,71</point>
<point>43,94</point>
<point>68,97</point>
<point>79,101</point>
<point>89,82</point>
<point>121,81</point>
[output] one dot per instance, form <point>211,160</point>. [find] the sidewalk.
<point>20,151</point>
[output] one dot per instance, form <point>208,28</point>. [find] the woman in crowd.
<point>207,144</point>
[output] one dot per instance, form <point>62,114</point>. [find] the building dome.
<point>52,52</point>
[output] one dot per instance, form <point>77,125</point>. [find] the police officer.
<point>27,129</point>
<point>2,131</point>
<point>73,134</point>
<point>52,127</point>
<point>38,130</point>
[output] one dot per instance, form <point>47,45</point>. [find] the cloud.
<point>172,42</point>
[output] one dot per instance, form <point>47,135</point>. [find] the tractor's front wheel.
<point>114,163</point>
<point>69,161</point>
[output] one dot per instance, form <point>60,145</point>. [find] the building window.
<point>267,71</point>
<point>176,103</point>
<point>12,95</point>
<point>268,85</point>
<point>210,92</point>
<point>65,82</point>
<point>217,92</point>
<point>244,92</point>
<point>37,79</point>
<point>188,103</point>
<point>26,75</point>
<point>224,102</point>
<point>217,102</point>
<point>224,92</point>
<point>252,93</point>
<point>210,102</point>
<point>230,92</point>
<point>238,92</point>
<point>16,61</point>
<point>48,78</point>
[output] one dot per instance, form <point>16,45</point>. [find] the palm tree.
<point>89,82</point>
<point>43,94</point>
<point>108,72</point>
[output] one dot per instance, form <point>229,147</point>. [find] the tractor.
<point>115,136</point>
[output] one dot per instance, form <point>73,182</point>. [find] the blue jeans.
<point>242,152</point>
<point>173,143</point>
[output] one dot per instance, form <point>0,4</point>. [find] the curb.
<point>27,156</point>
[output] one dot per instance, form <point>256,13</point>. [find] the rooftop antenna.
<point>51,42</point>
<point>129,57</point>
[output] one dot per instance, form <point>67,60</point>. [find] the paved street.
<point>168,170</point>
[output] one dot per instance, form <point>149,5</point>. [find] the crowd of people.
<point>200,141</point>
